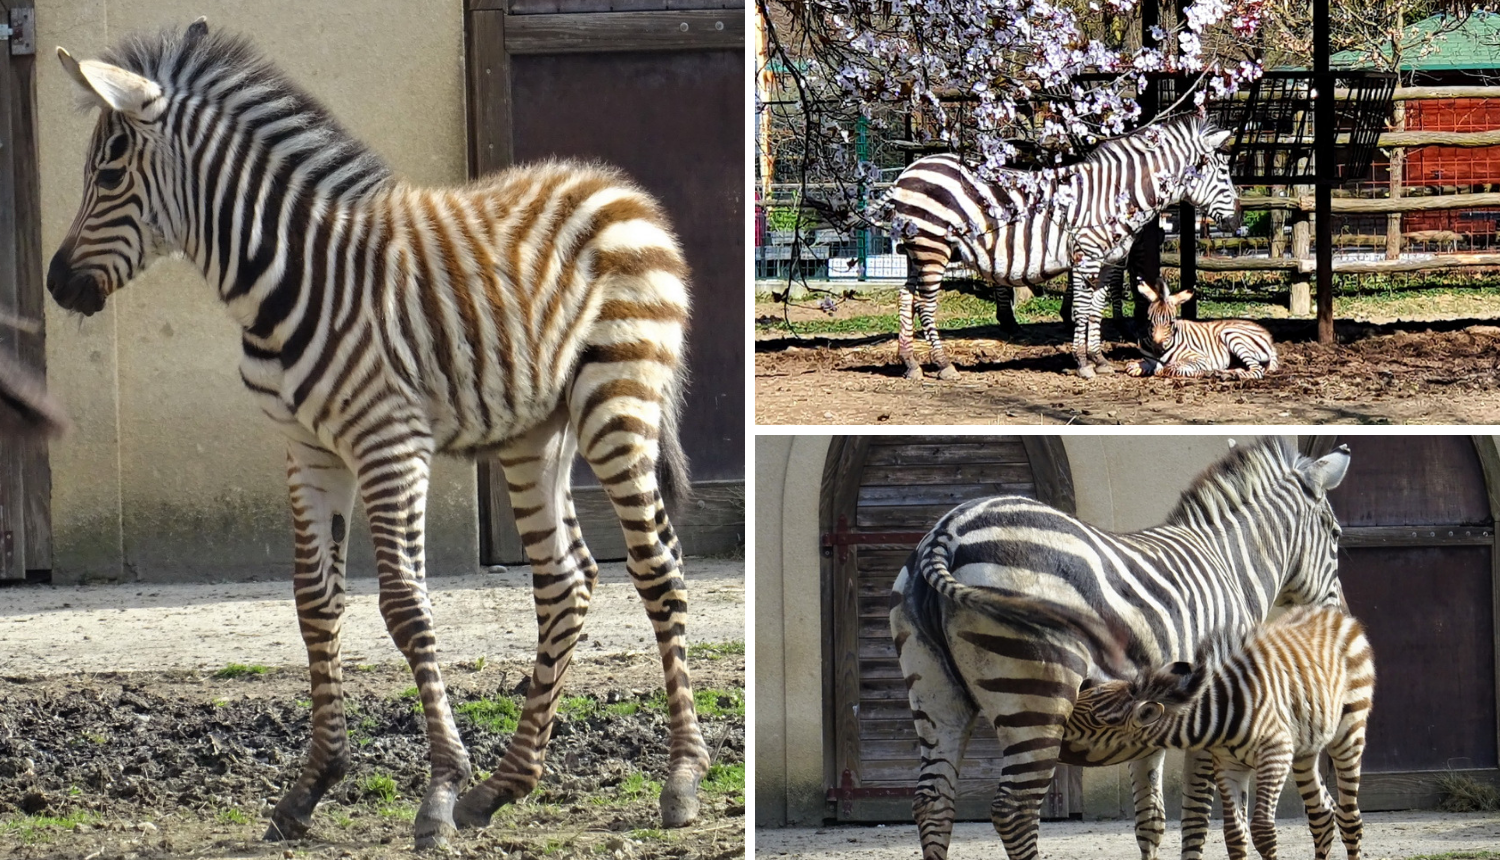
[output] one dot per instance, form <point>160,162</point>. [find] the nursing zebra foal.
<point>1187,348</point>
<point>1253,531</point>
<point>532,315</point>
<point>1268,703</point>
<point>1032,226</point>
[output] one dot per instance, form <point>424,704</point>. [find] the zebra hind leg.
<point>393,486</point>
<point>617,412</point>
<point>944,716</point>
<point>1316,801</point>
<point>904,348</point>
<point>1232,781</point>
<point>322,496</point>
<point>538,469</point>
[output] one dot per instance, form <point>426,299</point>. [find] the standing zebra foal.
<point>531,315</point>
<point>1254,530</point>
<point>1186,348</point>
<point>1035,225</point>
<point>1268,703</point>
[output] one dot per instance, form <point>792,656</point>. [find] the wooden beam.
<point>1234,264</point>
<point>1394,536</point>
<point>1377,205</point>
<point>1409,93</point>
<point>1391,139</point>
<point>1446,261</point>
<point>598,32</point>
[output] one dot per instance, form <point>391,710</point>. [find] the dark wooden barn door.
<point>25,477</point>
<point>880,496</point>
<point>656,87</point>
<point>1417,561</point>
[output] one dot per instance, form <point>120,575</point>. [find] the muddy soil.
<point>1444,372</point>
<point>183,764</point>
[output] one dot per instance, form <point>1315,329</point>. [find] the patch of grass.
<point>1482,854</point>
<point>239,670</point>
<point>649,835</point>
<point>637,787</point>
<point>96,738</point>
<point>30,829</point>
<point>416,696</point>
<point>398,811</point>
<point>220,703</point>
<point>380,786</point>
<point>479,664</point>
<point>231,816</point>
<point>719,703</point>
<point>725,779</point>
<point>500,716</point>
<point>304,703</point>
<point>716,650</point>
<point>1462,793</point>
<point>622,709</point>
<point>578,707</point>
<point>365,667</point>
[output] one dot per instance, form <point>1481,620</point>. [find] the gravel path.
<point>1388,835</point>
<point>47,630</point>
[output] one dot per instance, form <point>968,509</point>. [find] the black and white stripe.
<point>1255,530</point>
<point>1265,703</point>
<point>534,314</point>
<point>1035,225</point>
<point>1186,348</point>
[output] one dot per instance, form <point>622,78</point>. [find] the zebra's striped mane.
<point>227,69</point>
<point>1244,474</point>
<point>1148,138</point>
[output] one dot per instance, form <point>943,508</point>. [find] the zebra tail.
<point>672,462</point>
<point>1044,619</point>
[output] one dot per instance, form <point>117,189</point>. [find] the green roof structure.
<point>1473,44</point>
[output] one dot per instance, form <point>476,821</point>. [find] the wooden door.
<point>880,496</point>
<point>656,87</point>
<point>25,477</point>
<point>1417,561</point>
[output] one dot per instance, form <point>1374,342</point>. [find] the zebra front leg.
<point>1232,781</point>
<point>1316,801</point>
<point>393,485</point>
<point>1197,802</point>
<point>619,436</point>
<point>322,496</point>
<point>538,471</point>
<point>1099,297</point>
<point>944,717</point>
<point>1079,289</point>
<point>1005,309</point>
<point>1150,803</point>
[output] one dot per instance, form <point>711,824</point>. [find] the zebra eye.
<point>110,178</point>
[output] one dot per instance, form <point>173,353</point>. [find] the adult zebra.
<point>1034,225</point>
<point>1254,530</point>
<point>534,314</point>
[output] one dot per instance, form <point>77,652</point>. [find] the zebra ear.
<point>1180,298</point>
<point>1145,290</point>
<point>1217,139</point>
<point>1324,473</point>
<point>198,29</point>
<point>116,88</point>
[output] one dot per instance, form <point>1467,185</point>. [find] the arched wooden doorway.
<point>880,496</point>
<point>1418,563</point>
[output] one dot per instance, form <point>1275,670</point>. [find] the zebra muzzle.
<point>75,291</point>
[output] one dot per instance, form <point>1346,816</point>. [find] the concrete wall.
<point>171,471</point>
<point>1121,483</point>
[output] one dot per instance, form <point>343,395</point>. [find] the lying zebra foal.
<point>1187,348</point>
<point>1268,702</point>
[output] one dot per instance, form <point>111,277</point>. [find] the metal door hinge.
<point>20,32</point>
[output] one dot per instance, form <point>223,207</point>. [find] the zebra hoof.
<point>1104,367</point>
<point>1086,371</point>
<point>283,828</point>
<point>913,372</point>
<point>679,802</point>
<point>948,372</point>
<point>474,809</point>
<point>434,834</point>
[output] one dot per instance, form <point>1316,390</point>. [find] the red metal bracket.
<point>846,793</point>
<point>843,537</point>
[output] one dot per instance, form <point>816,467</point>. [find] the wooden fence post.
<point>1301,303</point>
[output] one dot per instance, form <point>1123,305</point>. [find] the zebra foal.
<point>1187,348</point>
<point>1254,530</point>
<point>533,314</point>
<point>1035,225</point>
<point>1268,703</point>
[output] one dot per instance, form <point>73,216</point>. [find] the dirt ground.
<point>98,763</point>
<point>1388,836</point>
<point>1438,372</point>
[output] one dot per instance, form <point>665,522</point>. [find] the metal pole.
<point>1327,173</point>
<point>1149,239</point>
<point>1187,218</point>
